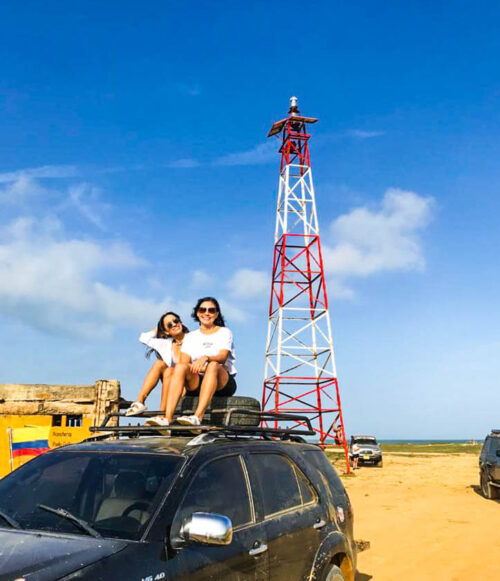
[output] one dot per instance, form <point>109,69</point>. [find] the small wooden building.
<point>69,411</point>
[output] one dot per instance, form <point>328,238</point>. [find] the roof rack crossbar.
<point>227,428</point>
<point>263,416</point>
<point>242,430</point>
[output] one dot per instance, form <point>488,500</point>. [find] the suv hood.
<point>40,556</point>
<point>373,447</point>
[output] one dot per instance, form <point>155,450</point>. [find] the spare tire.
<point>217,410</point>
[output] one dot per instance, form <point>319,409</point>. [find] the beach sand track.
<point>425,519</point>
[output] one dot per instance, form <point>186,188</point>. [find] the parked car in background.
<point>218,506</point>
<point>489,465</point>
<point>367,450</point>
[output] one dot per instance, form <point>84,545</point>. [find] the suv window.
<point>494,445</point>
<point>219,486</point>
<point>321,463</point>
<point>363,441</point>
<point>115,493</point>
<point>306,492</point>
<point>282,484</point>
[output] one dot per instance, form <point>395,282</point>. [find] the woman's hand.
<point>198,365</point>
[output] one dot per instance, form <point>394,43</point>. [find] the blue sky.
<point>135,176</point>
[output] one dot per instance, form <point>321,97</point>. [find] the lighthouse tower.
<point>300,373</point>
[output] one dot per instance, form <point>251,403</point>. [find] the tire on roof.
<point>218,407</point>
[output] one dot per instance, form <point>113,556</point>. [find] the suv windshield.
<point>364,441</point>
<point>114,494</point>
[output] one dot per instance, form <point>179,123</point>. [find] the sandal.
<point>135,409</point>
<point>190,421</point>
<point>159,421</point>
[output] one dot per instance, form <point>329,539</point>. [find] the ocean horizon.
<point>438,441</point>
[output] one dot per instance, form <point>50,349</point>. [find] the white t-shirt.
<point>162,346</point>
<point>196,344</point>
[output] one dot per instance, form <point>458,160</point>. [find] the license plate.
<point>366,457</point>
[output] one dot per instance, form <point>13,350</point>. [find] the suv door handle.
<point>320,524</point>
<point>257,550</point>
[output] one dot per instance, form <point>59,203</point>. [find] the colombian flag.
<point>26,443</point>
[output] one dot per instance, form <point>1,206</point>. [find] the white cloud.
<point>184,163</point>
<point>247,283</point>
<point>232,314</point>
<point>85,198</point>
<point>362,134</point>
<point>51,282</point>
<point>366,241</point>
<point>82,197</point>
<point>372,240</point>
<point>260,154</point>
<point>19,190</point>
<point>267,152</point>
<point>201,279</point>
<point>45,171</point>
<point>337,289</point>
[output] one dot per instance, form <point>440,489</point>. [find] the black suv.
<point>228,504</point>
<point>489,465</point>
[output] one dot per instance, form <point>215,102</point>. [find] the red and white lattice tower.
<point>300,373</point>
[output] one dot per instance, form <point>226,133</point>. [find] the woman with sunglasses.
<point>165,341</point>
<point>206,365</point>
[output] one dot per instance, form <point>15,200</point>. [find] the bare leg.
<point>151,379</point>
<point>166,376</point>
<point>215,378</point>
<point>181,377</point>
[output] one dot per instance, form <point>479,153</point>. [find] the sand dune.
<point>425,520</point>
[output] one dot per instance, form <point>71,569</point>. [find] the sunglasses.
<point>171,324</point>
<point>211,310</point>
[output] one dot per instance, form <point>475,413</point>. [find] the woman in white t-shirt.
<point>206,365</point>
<point>165,342</point>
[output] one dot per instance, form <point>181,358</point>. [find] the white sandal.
<point>159,421</point>
<point>135,409</point>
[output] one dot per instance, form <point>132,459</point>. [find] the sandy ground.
<point>425,520</point>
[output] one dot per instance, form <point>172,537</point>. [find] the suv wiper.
<point>71,517</point>
<point>13,522</point>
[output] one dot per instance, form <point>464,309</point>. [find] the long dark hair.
<point>219,321</point>
<point>162,331</point>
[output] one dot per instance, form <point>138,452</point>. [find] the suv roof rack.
<point>295,432</point>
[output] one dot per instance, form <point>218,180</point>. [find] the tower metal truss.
<point>300,373</point>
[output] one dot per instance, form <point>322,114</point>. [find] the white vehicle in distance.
<point>366,450</point>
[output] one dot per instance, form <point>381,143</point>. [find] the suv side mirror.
<point>207,528</point>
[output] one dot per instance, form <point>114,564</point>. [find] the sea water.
<point>442,441</point>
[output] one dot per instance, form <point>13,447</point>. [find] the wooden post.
<point>9,431</point>
<point>107,395</point>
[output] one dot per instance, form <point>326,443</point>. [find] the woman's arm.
<point>199,364</point>
<point>147,337</point>
<point>221,356</point>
